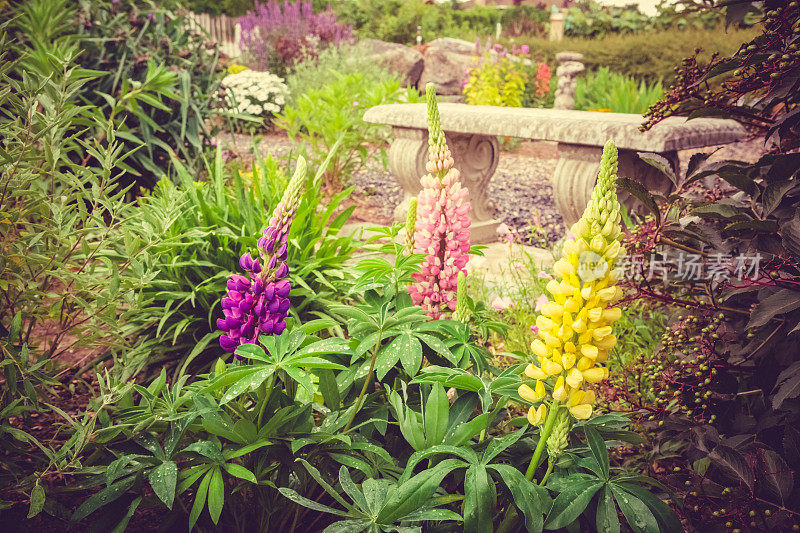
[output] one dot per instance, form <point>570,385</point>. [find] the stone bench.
<point>472,132</point>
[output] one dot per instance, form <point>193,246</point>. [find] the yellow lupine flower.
<point>574,326</point>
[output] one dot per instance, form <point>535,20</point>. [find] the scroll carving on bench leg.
<point>476,158</point>
<point>576,173</point>
<point>574,178</point>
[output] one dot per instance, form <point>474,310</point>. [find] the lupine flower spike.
<point>462,312</point>
<point>258,303</point>
<point>442,227</point>
<point>411,222</point>
<point>574,326</point>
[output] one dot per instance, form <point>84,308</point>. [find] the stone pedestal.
<point>476,158</point>
<point>569,68</point>
<point>576,174</point>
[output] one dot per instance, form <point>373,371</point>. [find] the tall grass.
<point>615,92</point>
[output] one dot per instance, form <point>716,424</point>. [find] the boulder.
<point>404,60</point>
<point>458,46</point>
<point>445,69</point>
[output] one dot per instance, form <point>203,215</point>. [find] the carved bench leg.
<point>476,157</point>
<point>576,174</point>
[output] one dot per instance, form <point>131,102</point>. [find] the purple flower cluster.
<point>258,303</point>
<point>275,36</point>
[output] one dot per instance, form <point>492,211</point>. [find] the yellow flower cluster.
<point>236,69</point>
<point>575,325</point>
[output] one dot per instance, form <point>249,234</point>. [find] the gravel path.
<point>520,189</point>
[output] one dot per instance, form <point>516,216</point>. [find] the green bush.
<point>647,56</point>
<point>397,20</point>
<point>314,74</point>
<point>64,292</point>
<point>615,92</point>
<point>122,39</point>
<point>208,226</point>
<point>320,117</point>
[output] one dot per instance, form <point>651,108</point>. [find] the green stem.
<point>357,405</point>
<point>550,464</point>
<point>547,429</point>
<point>267,391</point>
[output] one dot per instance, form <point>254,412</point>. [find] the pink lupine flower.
<point>535,330</point>
<point>524,49</point>
<point>543,275</point>
<point>442,228</point>
<point>540,302</point>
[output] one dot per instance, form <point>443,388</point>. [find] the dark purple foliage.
<point>275,36</point>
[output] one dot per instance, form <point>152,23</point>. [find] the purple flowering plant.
<point>276,36</point>
<point>258,302</point>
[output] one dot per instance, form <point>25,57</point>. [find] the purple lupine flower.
<point>259,302</point>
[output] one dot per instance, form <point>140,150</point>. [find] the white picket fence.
<point>225,30</point>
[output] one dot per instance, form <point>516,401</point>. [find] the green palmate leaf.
<point>349,526</point>
<point>529,498</point>
<point>480,499</point>
<point>311,504</point>
<point>104,497</point>
<point>216,495</point>
<point>571,503</point>
<point>240,472</point>
<point>416,492</point>
<point>163,478</point>
<point>498,444</point>
<point>329,388</point>
<point>598,448</point>
<point>607,519</point>
<point>667,519</point>
<point>410,353</point>
<point>436,415</point>
<point>638,515</point>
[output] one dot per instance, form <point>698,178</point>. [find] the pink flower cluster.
<point>543,79</point>
<point>442,227</point>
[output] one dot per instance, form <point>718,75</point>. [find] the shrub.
<point>314,74</point>
<point>650,56</point>
<point>727,370</point>
<point>604,90</point>
<point>209,225</point>
<point>496,77</point>
<point>275,37</point>
<point>123,39</point>
<point>322,116</point>
<point>397,20</point>
<point>65,294</point>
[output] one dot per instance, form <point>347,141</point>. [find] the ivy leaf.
<point>732,464</point>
